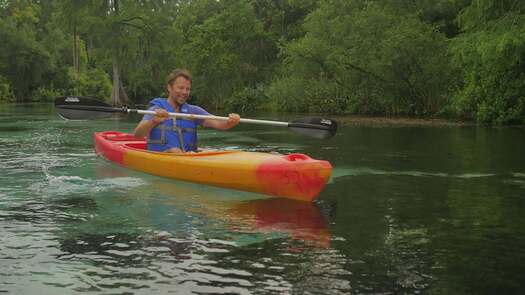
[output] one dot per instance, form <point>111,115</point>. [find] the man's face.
<point>180,89</point>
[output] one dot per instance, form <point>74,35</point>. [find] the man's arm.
<point>222,125</point>
<point>144,127</point>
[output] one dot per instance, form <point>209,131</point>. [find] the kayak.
<point>293,176</point>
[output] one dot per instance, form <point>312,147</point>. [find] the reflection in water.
<point>301,221</point>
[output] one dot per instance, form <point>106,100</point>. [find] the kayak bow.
<point>294,176</point>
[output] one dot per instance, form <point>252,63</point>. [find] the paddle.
<point>83,108</point>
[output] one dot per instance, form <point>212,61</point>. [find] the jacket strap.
<point>181,140</point>
<point>183,129</point>
<point>162,139</point>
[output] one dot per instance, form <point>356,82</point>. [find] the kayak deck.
<point>294,176</point>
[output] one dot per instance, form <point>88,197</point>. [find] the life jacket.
<point>173,132</point>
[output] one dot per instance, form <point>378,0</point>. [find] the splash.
<point>73,184</point>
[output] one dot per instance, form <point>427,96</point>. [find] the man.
<point>175,135</point>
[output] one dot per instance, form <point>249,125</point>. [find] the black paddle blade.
<point>321,128</point>
<point>83,108</point>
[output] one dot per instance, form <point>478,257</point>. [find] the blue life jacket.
<point>173,132</point>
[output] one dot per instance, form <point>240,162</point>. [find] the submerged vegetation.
<point>430,58</point>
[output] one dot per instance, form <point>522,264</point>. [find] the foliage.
<point>398,65</point>
<point>247,100</point>
<point>46,93</point>
<point>491,55</point>
<point>25,63</point>
<point>459,58</point>
<point>94,82</point>
<point>6,93</point>
<point>222,51</point>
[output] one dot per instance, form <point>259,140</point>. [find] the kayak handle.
<point>295,157</point>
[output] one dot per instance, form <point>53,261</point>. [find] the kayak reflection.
<point>173,203</point>
<point>301,220</point>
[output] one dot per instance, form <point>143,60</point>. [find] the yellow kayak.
<point>294,176</point>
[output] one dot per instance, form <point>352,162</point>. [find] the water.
<point>408,210</point>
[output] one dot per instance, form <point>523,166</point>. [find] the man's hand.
<point>233,120</point>
<point>161,115</point>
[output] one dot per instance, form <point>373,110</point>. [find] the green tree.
<point>491,54</point>
<point>363,57</point>
<point>6,94</point>
<point>283,20</point>
<point>223,50</point>
<point>153,52</point>
<point>24,62</point>
<point>441,14</point>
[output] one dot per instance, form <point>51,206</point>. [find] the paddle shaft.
<point>211,117</point>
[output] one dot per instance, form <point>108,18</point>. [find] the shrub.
<point>94,82</point>
<point>6,93</point>
<point>247,100</point>
<point>44,93</point>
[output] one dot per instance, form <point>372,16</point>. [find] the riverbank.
<point>400,122</point>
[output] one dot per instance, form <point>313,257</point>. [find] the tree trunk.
<point>118,94</point>
<point>76,58</point>
<point>89,51</point>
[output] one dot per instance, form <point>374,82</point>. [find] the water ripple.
<point>341,172</point>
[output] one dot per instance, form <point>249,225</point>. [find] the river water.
<point>408,210</point>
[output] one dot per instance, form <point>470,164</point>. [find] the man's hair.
<point>178,73</point>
